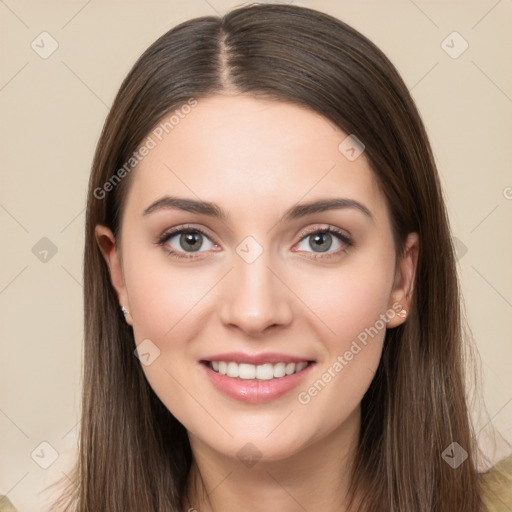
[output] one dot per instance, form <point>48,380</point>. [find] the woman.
<point>272,306</point>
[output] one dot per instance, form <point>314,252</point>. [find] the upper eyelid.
<point>171,233</point>
<point>328,227</point>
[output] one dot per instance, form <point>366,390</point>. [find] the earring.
<point>402,313</point>
<point>124,310</point>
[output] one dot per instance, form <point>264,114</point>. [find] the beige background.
<point>52,112</point>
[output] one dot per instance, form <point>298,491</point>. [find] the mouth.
<point>257,383</point>
<point>260,372</point>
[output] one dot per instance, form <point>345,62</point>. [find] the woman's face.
<point>255,285</point>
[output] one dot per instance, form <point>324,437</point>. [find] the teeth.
<point>290,368</point>
<point>232,370</point>
<point>246,371</point>
<point>265,371</point>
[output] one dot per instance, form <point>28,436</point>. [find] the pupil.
<point>321,237</point>
<point>190,241</point>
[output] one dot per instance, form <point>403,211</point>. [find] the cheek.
<point>351,306</point>
<point>348,299</point>
<point>166,301</point>
<point>162,293</point>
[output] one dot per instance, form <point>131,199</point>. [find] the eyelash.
<point>321,256</point>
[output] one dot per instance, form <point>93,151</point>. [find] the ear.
<point>107,244</point>
<point>404,280</point>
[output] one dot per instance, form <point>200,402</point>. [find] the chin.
<point>258,447</point>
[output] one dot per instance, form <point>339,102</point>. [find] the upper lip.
<point>256,359</point>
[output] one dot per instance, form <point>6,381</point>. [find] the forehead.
<point>250,155</point>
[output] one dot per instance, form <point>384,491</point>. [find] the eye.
<point>184,241</point>
<point>322,240</point>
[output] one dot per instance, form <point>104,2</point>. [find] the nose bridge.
<point>256,298</point>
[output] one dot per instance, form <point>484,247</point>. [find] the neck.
<point>314,478</point>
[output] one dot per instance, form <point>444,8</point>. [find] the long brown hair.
<point>133,454</point>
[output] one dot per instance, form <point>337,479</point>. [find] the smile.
<point>266,371</point>
<point>256,383</point>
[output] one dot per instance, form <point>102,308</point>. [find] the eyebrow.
<point>215,211</point>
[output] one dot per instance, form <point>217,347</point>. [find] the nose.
<point>256,297</point>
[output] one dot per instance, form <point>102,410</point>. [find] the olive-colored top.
<point>497,485</point>
<point>6,505</point>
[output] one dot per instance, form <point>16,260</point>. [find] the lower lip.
<point>256,391</point>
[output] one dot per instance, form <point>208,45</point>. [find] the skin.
<point>256,159</point>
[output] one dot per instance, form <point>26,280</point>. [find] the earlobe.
<point>404,281</point>
<point>107,245</point>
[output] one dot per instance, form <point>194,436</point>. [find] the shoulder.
<point>497,486</point>
<point>6,505</point>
